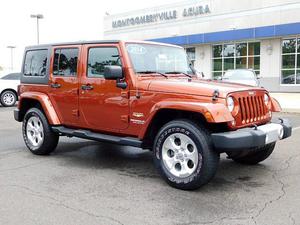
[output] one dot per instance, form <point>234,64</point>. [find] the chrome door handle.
<point>55,85</point>
<point>87,87</point>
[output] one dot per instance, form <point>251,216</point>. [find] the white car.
<point>241,76</point>
<point>8,89</point>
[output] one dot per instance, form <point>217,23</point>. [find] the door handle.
<point>55,85</point>
<point>87,87</point>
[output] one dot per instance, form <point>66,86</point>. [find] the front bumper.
<point>250,138</point>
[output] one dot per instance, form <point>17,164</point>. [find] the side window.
<point>36,63</point>
<point>65,62</point>
<point>99,57</point>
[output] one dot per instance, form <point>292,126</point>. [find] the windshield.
<point>148,58</point>
<point>239,75</point>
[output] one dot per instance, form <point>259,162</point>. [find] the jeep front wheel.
<point>184,155</point>
<point>37,133</point>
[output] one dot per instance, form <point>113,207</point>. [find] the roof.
<point>76,43</point>
<point>99,42</point>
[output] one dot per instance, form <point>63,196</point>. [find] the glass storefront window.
<point>228,50</point>
<point>254,48</point>
<point>290,61</point>
<point>298,77</point>
<point>241,49</point>
<point>217,64</point>
<point>235,56</point>
<point>289,46</point>
<point>254,63</point>
<point>191,53</point>
<point>241,63</point>
<point>288,77</point>
<point>228,64</point>
<point>217,51</point>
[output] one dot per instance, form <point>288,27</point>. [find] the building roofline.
<point>272,31</point>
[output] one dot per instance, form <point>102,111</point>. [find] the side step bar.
<point>86,134</point>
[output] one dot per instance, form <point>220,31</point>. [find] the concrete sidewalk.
<point>290,102</point>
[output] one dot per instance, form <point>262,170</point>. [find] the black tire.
<point>255,156</point>
<point>8,98</point>
<point>208,159</point>
<point>50,139</point>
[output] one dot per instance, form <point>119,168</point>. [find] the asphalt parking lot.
<point>85,182</point>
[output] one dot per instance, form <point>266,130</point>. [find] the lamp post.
<point>11,56</point>
<point>37,17</point>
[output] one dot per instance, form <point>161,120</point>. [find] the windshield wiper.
<point>177,72</point>
<point>149,72</point>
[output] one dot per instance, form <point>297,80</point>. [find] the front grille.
<point>252,109</point>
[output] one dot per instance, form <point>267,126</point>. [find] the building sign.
<point>161,16</point>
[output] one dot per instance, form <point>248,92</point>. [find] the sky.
<point>64,20</point>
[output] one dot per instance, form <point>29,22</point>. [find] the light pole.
<point>11,56</point>
<point>37,16</point>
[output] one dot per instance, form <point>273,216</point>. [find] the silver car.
<point>241,76</point>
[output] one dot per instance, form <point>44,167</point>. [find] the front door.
<point>103,106</point>
<point>64,83</point>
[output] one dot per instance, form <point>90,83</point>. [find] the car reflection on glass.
<point>241,76</point>
<point>291,79</point>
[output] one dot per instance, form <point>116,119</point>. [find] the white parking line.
<point>296,128</point>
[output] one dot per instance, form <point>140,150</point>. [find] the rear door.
<point>64,72</point>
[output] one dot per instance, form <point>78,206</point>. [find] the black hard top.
<point>75,43</point>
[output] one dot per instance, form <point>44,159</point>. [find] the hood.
<point>197,87</point>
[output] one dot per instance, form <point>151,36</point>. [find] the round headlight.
<point>230,104</point>
<point>266,99</point>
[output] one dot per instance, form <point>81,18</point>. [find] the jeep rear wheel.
<point>8,98</point>
<point>254,157</point>
<point>184,156</point>
<point>37,133</point>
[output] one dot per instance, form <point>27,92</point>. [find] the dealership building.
<point>218,35</point>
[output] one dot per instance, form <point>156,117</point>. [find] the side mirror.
<point>113,72</point>
<point>258,77</point>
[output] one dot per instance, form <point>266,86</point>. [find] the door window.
<point>65,62</point>
<point>99,57</point>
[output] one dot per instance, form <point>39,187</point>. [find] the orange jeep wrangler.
<point>144,94</point>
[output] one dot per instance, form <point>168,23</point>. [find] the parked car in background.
<point>241,76</point>
<point>8,89</point>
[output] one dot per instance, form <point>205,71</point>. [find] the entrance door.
<point>104,107</point>
<point>64,83</point>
